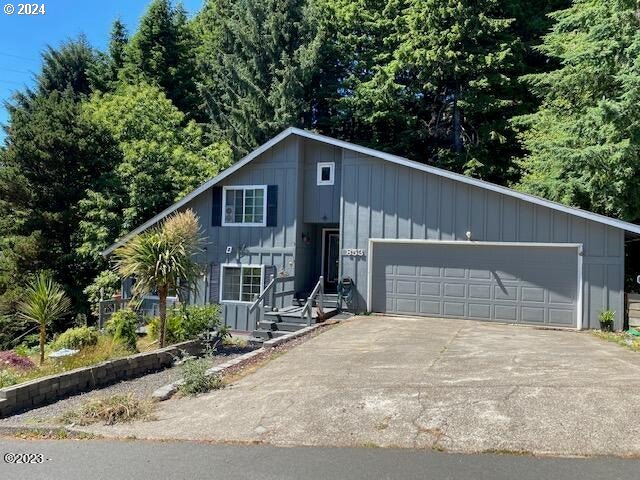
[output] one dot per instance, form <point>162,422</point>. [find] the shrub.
<point>77,338</point>
<point>122,327</point>
<point>607,317</point>
<point>8,378</point>
<point>187,322</point>
<point>10,359</point>
<point>196,380</point>
<point>110,410</point>
<point>109,282</point>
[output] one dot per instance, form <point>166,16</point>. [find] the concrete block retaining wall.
<point>42,391</point>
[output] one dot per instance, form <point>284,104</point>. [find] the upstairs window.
<point>244,205</point>
<point>326,173</point>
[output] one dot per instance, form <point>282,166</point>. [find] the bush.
<point>110,410</point>
<point>122,327</point>
<point>607,317</point>
<point>8,378</point>
<point>109,282</point>
<point>187,322</point>
<point>76,338</point>
<point>196,380</point>
<point>11,359</point>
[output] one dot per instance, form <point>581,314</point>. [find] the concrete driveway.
<point>407,382</point>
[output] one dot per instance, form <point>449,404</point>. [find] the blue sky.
<point>23,38</point>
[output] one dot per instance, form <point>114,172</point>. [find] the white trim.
<point>580,323</point>
<point>244,188</point>
<point>241,266</point>
<point>474,243</point>
<point>577,246</point>
<point>630,227</point>
<point>324,230</point>
<point>332,173</point>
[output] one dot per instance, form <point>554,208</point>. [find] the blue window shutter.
<point>272,205</point>
<point>216,207</point>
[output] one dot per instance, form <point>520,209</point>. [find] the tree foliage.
<point>583,143</point>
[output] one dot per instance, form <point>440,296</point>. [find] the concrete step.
<point>283,326</point>
<point>293,314</point>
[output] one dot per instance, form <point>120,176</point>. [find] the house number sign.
<point>354,252</point>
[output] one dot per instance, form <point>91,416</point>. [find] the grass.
<point>621,338</point>
<point>104,350</point>
<point>110,410</point>
<point>196,379</point>
<point>237,342</point>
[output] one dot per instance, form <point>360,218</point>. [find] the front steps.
<point>286,320</point>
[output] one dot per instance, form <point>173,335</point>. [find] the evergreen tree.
<point>162,52</point>
<point>258,74</point>
<point>53,155</point>
<point>583,143</point>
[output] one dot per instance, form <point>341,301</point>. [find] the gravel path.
<point>141,387</point>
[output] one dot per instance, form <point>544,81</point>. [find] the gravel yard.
<point>141,387</point>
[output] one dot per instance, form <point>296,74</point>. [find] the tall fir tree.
<point>162,52</point>
<point>257,68</point>
<point>583,144</point>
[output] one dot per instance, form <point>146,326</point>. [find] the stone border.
<point>45,390</point>
<point>167,391</point>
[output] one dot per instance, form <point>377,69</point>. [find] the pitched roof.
<point>629,227</point>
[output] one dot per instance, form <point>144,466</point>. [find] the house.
<point>394,236</point>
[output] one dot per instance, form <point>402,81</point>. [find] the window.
<point>241,283</point>
<point>326,173</point>
<point>245,206</point>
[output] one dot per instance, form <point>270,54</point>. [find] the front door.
<point>330,259</point>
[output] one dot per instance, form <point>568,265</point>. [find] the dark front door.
<point>330,259</point>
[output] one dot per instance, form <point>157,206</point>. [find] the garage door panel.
<point>430,271</point>
<point>454,309</point>
<point>482,292</point>
<point>454,290</point>
<point>505,292</point>
<point>406,305</point>
<point>404,287</point>
<point>532,294</point>
<point>484,274</point>
<point>506,313</point>
<point>430,288</point>
<point>481,311</point>
<point>407,270</point>
<point>561,317</point>
<point>430,308</point>
<point>454,272</point>
<point>526,284</point>
<point>532,315</point>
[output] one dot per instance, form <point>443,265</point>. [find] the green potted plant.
<point>606,320</point>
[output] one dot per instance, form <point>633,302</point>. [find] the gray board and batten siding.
<point>391,201</point>
<point>377,196</point>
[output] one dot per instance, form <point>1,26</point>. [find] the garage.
<point>535,284</point>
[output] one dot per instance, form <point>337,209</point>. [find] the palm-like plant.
<point>163,260</point>
<point>44,302</point>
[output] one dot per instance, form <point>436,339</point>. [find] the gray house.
<point>305,216</point>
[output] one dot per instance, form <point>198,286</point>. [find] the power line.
<point>14,70</point>
<point>18,56</point>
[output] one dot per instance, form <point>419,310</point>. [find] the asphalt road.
<point>132,460</point>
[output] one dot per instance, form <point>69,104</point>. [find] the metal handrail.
<point>318,291</point>
<point>263,294</point>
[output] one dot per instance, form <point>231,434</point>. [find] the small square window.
<point>326,173</point>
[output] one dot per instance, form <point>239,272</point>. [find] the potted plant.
<point>606,320</point>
